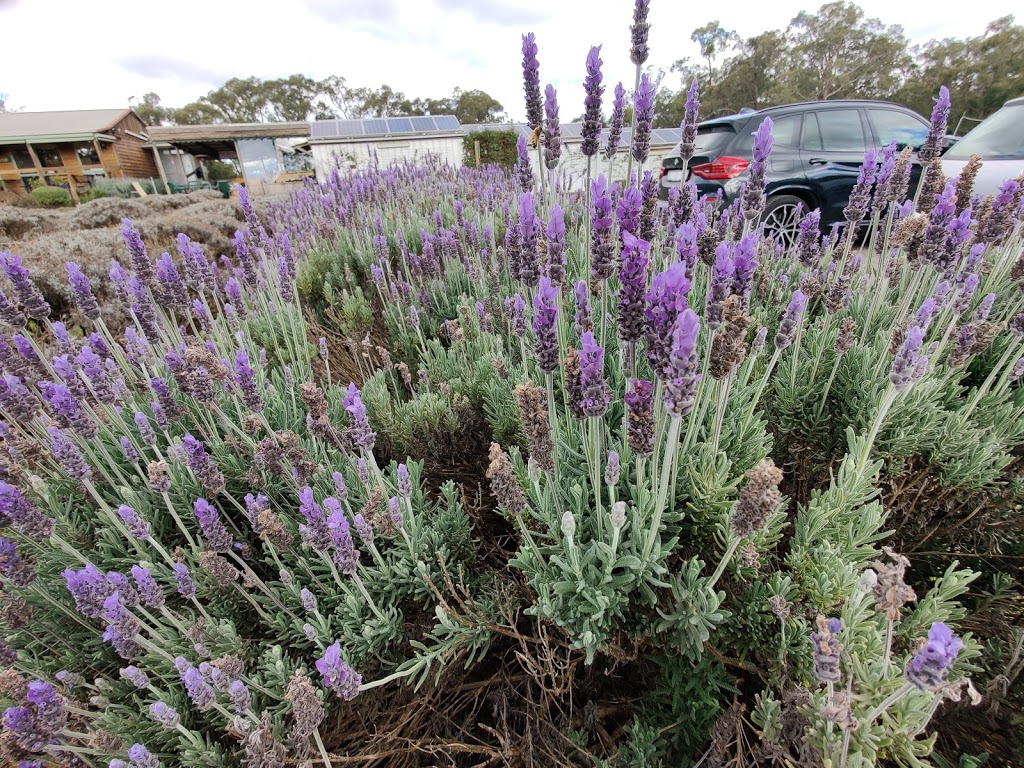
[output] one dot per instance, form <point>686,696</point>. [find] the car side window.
<point>785,132</point>
<point>905,130</point>
<point>812,134</point>
<point>841,130</point>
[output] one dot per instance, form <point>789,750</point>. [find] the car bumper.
<point>711,190</point>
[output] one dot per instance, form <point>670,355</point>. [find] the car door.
<point>832,150</point>
<point>906,129</point>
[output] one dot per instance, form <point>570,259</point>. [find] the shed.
<point>573,163</point>
<point>357,143</point>
<point>269,154</point>
<point>72,148</point>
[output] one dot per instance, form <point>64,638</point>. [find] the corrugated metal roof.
<point>50,126</point>
<point>228,131</point>
<point>571,132</point>
<point>327,131</point>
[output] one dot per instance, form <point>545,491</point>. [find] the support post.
<point>160,168</point>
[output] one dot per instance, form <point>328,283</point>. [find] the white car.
<point>999,141</point>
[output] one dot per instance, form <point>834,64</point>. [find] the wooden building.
<point>72,149</point>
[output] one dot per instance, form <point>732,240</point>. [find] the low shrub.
<point>92,194</point>
<point>52,197</point>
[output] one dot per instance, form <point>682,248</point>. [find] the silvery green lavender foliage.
<point>652,502</point>
<point>215,545</point>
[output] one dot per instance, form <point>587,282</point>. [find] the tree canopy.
<point>836,52</point>
<point>298,97</point>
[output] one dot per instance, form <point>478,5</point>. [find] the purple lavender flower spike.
<point>186,587</point>
<point>38,723</point>
<point>545,326</point>
<point>595,392</point>
<point>199,691</point>
<point>10,314</point>
<point>404,481</point>
<point>531,82</point>
<point>688,132</point>
<point>14,568</point>
<point>932,147</point>
<point>556,245</point>
<point>633,285</point>
<point>150,591</point>
<point>240,696</point>
<point>166,716</point>
<point>907,365</point>
<point>346,556</point>
<point>744,264</point>
<point>614,135</point>
<point>884,190</point>
<point>16,399</point>
<point>21,512</point>
<point>361,433</point>
<point>860,196</point>
<point>591,130</point>
<point>628,210</point>
<point>68,454</point>
<point>723,275</point>
<point>337,675</point>
<point>170,289</point>
<point>602,247</point>
<point>583,318</point>
<point>215,534</point>
<point>808,242</point>
<point>639,51</point>
<point>314,531</point>
<point>122,627</point>
<point>643,104</point>
<point>83,291</point>
<point>140,262</point>
<point>680,388</point>
<point>790,320</point>
<point>518,307</point>
<point>753,195</point>
<point>523,168</point>
<point>135,676</point>
<point>529,228</point>
<point>137,527</point>
<point>245,378</point>
<point>665,299</point>
<point>552,129</point>
<point>930,665</point>
<point>203,465</point>
<point>1006,210</point>
<point>934,244</point>
<point>31,299</point>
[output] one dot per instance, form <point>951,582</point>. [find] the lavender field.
<point>450,466</point>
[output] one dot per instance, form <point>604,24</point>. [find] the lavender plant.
<point>684,447</point>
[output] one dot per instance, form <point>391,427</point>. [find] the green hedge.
<point>495,147</point>
<point>52,197</point>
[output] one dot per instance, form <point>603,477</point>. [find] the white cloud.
<point>419,47</point>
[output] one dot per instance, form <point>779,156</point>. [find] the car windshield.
<point>999,136</point>
<point>712,137</point>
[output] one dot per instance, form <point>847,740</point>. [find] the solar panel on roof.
<point>447,122</point>
<point>321,128</point>
<point>350,128</point>
<point>422,123</point>
<point>399,125</point>
<point>572,130</point>
<point>375,126</point>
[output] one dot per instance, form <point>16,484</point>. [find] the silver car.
<point>999,141</point>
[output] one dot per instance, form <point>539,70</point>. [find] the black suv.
<point>818,150</point>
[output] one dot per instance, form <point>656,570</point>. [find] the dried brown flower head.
<point>965,183</point>
<point>729,347</point>
<point>534,413</point>
<point>307,711</point>
<point>759,498</point>
<point>847,335</point>
<point>223,572</point>
<point>891,590</point>
<point>504,483</point>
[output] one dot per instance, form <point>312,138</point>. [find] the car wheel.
<point>781,218</point>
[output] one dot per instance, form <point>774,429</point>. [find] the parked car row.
<point>819,147</point>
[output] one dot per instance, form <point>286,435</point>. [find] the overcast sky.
<point>69,54</point>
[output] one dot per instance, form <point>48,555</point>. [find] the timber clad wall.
<point>135,161</point>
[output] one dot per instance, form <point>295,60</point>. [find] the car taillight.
<point>662,171</point>
<point>721,168</point>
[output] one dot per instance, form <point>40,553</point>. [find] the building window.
<point>87,154</point>
<point>49,156</point>
<point>21,157</point>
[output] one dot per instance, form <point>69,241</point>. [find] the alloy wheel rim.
<point>783,222</point>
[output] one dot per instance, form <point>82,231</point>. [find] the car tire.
<point>781,217</point>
